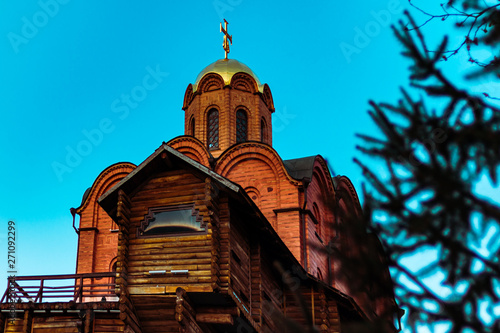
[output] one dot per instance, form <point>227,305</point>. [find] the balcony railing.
<point>60,288</point>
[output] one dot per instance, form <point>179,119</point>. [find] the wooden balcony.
<point>78,288</point>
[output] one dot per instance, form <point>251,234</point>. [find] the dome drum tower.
<point>228,105</point>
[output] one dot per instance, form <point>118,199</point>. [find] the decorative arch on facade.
<point>347,193</point>
<point>263,130</point>
<point>244,82</point>
<point>210,82</point>
<point>112,264</point>
<point>267,97</point>
<point>271,177</point>
<point>254,194</point>
<point>112,268</point>
<point>97,229</point>
<point>188,97</point>
<point>192,126</point>
<point>192,148</point>
<point>106,179</point>
<point>255,149</point>
<point>267,182</point>
<point>349,212</point>
<point>100,218</point>
<point>325,198</point>
<point>321,167</point>
<point>319,274</point>
<point>317,215</point>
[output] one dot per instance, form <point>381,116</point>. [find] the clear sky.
<point>65,66</point>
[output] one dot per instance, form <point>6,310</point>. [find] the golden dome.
<point>226,68</point>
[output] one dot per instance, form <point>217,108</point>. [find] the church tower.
<point>227,105</point>
<point>215,232</point>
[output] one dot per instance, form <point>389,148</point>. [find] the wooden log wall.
<point>127,310</point>
<point>84,321</point>
<point>2,322</point>
<point>224,243</point>
<point>14,326</point>
<point>182,252</point>
<point>333,315</point>
<point>321,307</point>
<point>239,262</point>
<point>57,324</point>
<point>256,282</point>
<point>157,313</point>
<point>108,324</point>
<point>212,204</point>
<point>272,293</point>
<point>322,313</point>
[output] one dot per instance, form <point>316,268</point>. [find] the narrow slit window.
<point>241,126</point>
<point>263,131</point>
<point>213,129</point>
<point>192,126</point>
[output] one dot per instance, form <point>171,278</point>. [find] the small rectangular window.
<point>172,220</point>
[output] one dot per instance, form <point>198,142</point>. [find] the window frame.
<point>155,210</point>
<point>192,126</point>
<point>243,112</point>
<point>215,146</point>
<point>263,130</point>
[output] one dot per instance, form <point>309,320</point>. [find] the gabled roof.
<point>300,168</point>
<point>162,157</point>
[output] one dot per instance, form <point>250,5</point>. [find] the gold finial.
<point>225,45</point>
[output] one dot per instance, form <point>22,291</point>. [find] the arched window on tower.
<point>317,216</point>
<point>263,131</point>
<point>241,126</point>
<point>213,129</point>
<point>192,126</point>
<point>319,274</point>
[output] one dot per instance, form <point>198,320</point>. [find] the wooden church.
<point>214,232</point>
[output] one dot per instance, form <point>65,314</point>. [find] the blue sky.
<point>66,63</point>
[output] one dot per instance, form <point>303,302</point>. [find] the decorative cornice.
<point>103,177</point>
<point>196,144</point>
<point>256,146</point>
<point>354,195</point>
<point>188,97</point>
<point>326,171</point>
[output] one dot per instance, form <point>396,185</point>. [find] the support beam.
<point>185,314</point>
<point>214,318</point>
<point>88,321</point>
<point>28,318</point>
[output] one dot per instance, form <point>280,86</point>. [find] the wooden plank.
<point>191,288</point>
<point>215,318</point>
<point>56,330</point>
<point>146,269</point>
<point>145,290</point>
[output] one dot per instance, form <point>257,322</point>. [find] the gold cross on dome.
<point>227,36</point>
